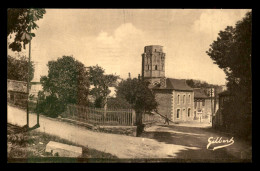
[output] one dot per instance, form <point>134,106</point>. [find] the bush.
<point>50,106</point>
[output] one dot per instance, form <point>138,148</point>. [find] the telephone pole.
<point>211,96</point>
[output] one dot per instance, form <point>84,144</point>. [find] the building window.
<point>183,99</point>
<point>189,99</point>
<point>203,103</point>
<point>178,99</point>
<point>189,112</point>
<point>155,50</point>
<point>183,112</point>
<point>178,113</point>
<point>195,104</point>
<point>155,67</point>
<point>148,67</point>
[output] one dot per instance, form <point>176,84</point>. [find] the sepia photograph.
<point>129,85</point>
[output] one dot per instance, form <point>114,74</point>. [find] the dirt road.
<point>193,136</point>
<point>157,142</point>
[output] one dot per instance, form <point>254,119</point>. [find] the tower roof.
<point>154,45</point>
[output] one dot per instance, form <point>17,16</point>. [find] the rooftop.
<point>199,93</point>
<point>174,84</point>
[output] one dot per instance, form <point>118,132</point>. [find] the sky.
<point>115,39</point>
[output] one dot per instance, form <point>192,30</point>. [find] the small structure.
<point>63,150</point>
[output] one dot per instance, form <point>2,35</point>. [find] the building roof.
<point>174,84</point>
<point>199,94</point>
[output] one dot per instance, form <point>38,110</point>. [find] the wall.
<point>206,109</point>
<point>164,100</point>
<point>19,86</point>
<point>125,130</point>
<point>189,104</point>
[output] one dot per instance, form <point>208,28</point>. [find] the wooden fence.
<point>98,116</point>
<point>148,118</point>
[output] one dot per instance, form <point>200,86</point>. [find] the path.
<point>120,145</point>
<point>159,141</point>
<point>195,136</point>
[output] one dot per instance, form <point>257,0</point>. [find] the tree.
<point>21,21</point>
<point>137,93</point>
<point>101,83</point>
<point>17,69</point>
<point>67,82</point>
<point>232,53</point>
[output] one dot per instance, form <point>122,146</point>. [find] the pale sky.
<point>115,39</point>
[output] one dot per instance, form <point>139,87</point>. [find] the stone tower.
<point>153,65</point>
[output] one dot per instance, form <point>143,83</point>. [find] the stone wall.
<point>164,100</point>
<point>125,130</point>
<point>14,85</point>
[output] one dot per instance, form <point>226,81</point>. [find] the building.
<point>17,92</point>
<point>203,104</point>
<point>174,96</point>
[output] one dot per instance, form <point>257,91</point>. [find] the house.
<point>175,100</point>
<point>174,96</point>
<point>203,104</point>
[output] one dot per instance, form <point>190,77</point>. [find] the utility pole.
<point>28,37</point>
<point>28,82</point>
<point>211,94</point>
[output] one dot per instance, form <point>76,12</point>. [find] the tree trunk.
<point>139,124</point>
<point>139,117</point>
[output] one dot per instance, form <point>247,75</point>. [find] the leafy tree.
<point>67,82</point>
<point>17,69</point>
<point>101,82</point>
<point>21,21</point>
<point>190,83</point>
<point>232,53</point>
<point>137,93</point>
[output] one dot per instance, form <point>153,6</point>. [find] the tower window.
<point>178,113</point>
<point>189,112</point>
<point>155,67</point>
<point>148,67</point>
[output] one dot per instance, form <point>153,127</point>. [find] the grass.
<point>30,146</point>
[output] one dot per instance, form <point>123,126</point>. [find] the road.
<point>164,142</point>
<point>194,136</point>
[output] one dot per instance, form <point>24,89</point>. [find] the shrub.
<point>50,106</point>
